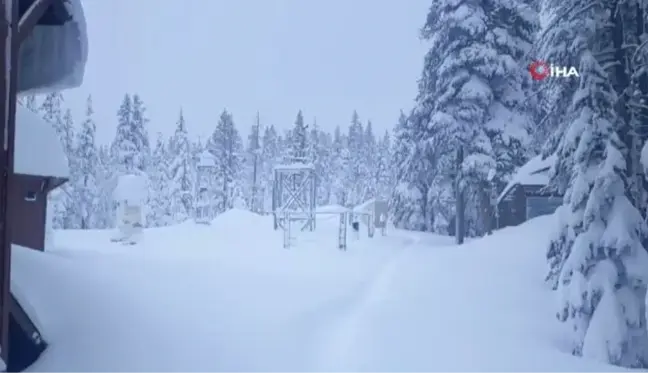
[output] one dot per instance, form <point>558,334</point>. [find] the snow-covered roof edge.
<point>534,172</point>
<point>38,147</point>
<point>65,65</point>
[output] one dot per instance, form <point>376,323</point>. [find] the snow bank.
<point>227,297</point>
<point>241,221</point>
<point>333,209</point>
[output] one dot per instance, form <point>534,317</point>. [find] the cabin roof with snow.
<point>206,159</point>
<point>535,172</point>
<point>54,54</point>
<point>38,148</point>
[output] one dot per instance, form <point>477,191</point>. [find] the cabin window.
<point>31,196</point>
<point>538,206</point>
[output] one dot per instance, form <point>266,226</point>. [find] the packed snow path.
<point>208,298</point>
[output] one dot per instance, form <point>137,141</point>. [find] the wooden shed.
<point>526,196</point>
<point>35,176</point>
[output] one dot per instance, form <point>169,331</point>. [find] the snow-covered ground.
<point>228,297</point>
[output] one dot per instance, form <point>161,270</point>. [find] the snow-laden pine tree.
<point>104,212</point>
<point>605,270</point>
<point>181,191</point>
<point>30,102</point>
<point>124,147</point>
<point>354,177</point>
<point>226,145</point>
<point>139,123</point>
<point>298,150</point>
<point>130,147</point>
<point>472,88</point>
<point>597,256</point>
<point>340,166</point>
<point>270,156</point>
<point>252,174</point>
<point>52,110</point>
<point>369,162</point>
<point>159,209</point>
<point>85,184</point>
<point>383,172</point>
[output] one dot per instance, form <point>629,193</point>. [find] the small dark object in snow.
<point>356,226</point>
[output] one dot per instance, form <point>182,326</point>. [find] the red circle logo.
<point>539,70</point>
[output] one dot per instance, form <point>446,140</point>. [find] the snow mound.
<point>239,219</point>
<point>332,209</point>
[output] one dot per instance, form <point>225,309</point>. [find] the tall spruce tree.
<point>85,188</point>
<point>180,172</point>
<point>226,145</point>
<point>597,257</point>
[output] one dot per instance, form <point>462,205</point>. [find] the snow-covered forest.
<point>477,110</point>
<point>476,118</point>
<point>353,163</point>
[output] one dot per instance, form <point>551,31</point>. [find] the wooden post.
<point>8,28</point>
<point>459,199</point>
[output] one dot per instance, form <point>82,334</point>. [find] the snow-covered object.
<point>131,189</point>
<point>53,58</point>
<point>130,195</point>
<point>534,172</point>
<point>38,147</point>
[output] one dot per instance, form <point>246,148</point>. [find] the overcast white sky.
<point>276,56</point>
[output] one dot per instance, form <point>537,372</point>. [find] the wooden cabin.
<point>52,57</point>
<point>526,196</point>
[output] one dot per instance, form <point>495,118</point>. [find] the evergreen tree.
<point>253,155</point>
<point>124,147</point>
<point>226,146</point>
<point>299,140</point>
<point>85,172</point>
<point>383,173</point>
<point>131,147</point>
<point>340,164</point>
<point>597,257</point>
<point>29,102</point>
<point>162,201</point>
<point>270,156</point>
<point>355,174</point>
<point>180,173</point>
<point>139,123</point>
<point>369,162</point>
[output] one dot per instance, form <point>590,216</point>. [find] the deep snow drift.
<point>227,298</point>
